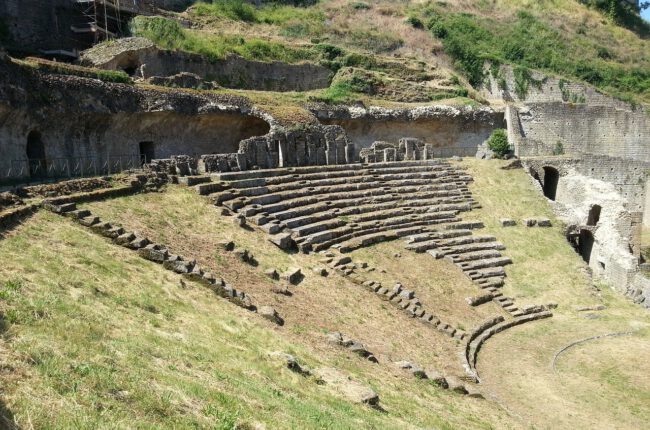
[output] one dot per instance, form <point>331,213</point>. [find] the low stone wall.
<point>141,57</point>
<point>449,130</point>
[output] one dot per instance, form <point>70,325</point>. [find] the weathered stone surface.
<point>269,313</point>
<point>153,253</point>
<point>293,275</point>
<point>335,338</point>
<point>282,240</point>
<point>530,222</point>
<point>507,222</point>
<point>437,378</point>
<point>290,362</point>
<point>344,384</point>
<point>272,273</point>
<point>456,385</point>
<point>227,245</point>
<point>544,222</point>
<point>321,271</point>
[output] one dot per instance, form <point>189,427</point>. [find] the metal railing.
<point>29,171</point>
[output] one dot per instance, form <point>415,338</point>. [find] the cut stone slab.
<point>335,338</point>
<point>272,273</point>
<point>282,240</point>
<point>507,222</point>
<point>530,222</point>
<point>348,387</point>
<point>290,362</point>
<point>456,385</point>
<point>153,253</point>
<point>293,275</point>
<point>544,222</point>
<point>437,378</point>
<point>270,314</point>
<point>227,245</point>
<point>321,271</point>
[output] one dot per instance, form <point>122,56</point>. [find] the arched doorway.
<point>147,152</point>
<point>585,244</point>
<point>594,215</point>
<point>35,152</point>
<point>551,179</point>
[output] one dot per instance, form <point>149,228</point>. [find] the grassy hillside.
<point>581,40</point>
<point>95,337</point>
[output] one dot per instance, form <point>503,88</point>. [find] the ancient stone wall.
<point>558,116</point>
<point>448,130</point>
<point>617,186</point>
<point>72,117</point>
<point>139,56</point>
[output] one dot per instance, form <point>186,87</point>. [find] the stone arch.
<point>35,153</point>
<point>594,215</point>
<point>147,151</point>
<point>551,180</point>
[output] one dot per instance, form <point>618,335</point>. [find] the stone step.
<point>487,273</point>
<point>465,240</point>
<point>261,195</point>
<point>472,247</point>
<point>189,181</point>
<point>323,211</point>
<point>307,170</point>
<point>401,230</point>
<point>279,205</point>
<point>487,283</point>
<point>306,196</point>
<point>472,256</point>
<point>485,263</point>
<point>320,204</point>
<point>441,176</point>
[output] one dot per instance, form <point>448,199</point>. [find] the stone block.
<point>282,241</point>
<point>507,222</point>
<point>530,222</point>
<point>293,275</point>
<point>544,222</point>
<point>272,273</point>
<point>269,313</point>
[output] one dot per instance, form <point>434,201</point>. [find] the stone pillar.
<point>389,154</point>
<point>428,152</point>
<point>301,151</point>
<point>340,151</point>
<point>349,153</point>
<point>241,161</point>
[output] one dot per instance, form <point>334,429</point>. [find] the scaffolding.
<point>106,19</point>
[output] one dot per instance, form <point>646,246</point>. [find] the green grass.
<point>104,339</point>
<point>529,41</point>
<point>168,34</point>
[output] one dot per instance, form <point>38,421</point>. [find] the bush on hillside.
<point>498,142</point>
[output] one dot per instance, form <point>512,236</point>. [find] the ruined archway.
<point>35,152</point>
<point>551,179</point>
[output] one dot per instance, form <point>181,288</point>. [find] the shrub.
<point>360,5</point>
<point>498,142</point>
<point>415,22</point>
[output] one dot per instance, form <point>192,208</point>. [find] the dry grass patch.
<point>100,338</point>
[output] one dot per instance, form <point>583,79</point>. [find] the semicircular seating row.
<point>350,206</point>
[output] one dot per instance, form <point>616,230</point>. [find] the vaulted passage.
<point>594,215</point>
<point>551,179</point>
<point>35,152</point>
<point>585,244</point>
